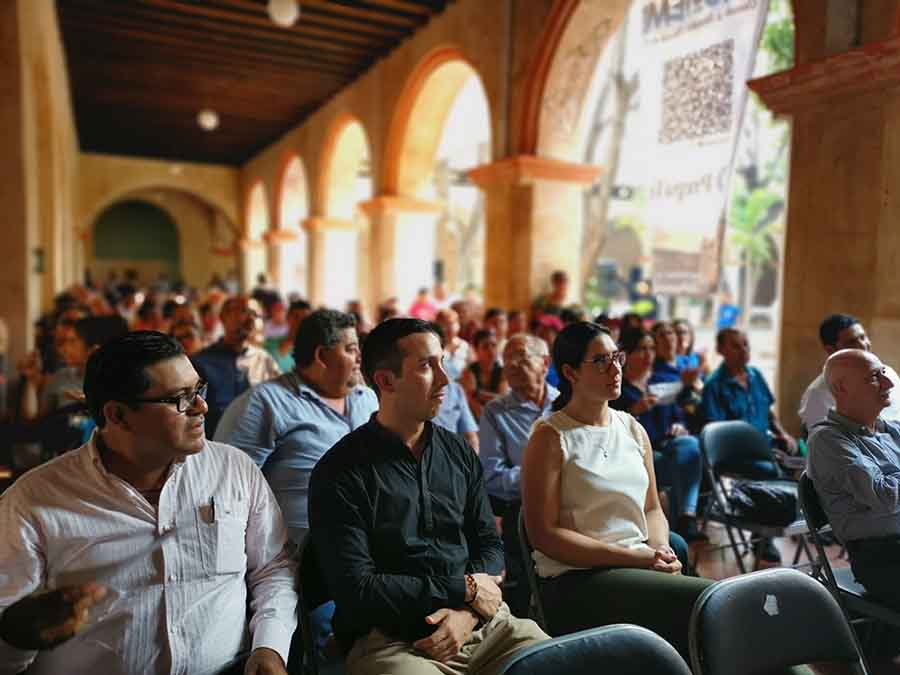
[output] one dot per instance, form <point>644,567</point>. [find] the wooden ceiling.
<point>141,70</point>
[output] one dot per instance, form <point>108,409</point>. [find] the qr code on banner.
<point>697,94</point>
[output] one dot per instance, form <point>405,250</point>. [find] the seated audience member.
<point>403,529</point>
<point>483,380</point>
<point>854,463</point>
<point>678,462</point>
<point>282,348</point>
<point>738,391</point>
<point>423,306</point>
<point>688,356</point>
<point>287,424</point>
<point>554,301</point>
<point>232,365</point>
<point>209,323</point>
<point>505,426</point>
<point>547,328</point>
<point>517,322</point>
<point>454,414</point>
<point>276,325</point>
<point>602,543</point>
<point>457,352</point>
<point>495,320</point>
<point>837,332</point>
<point>144,543</point>
<point>188,335</point>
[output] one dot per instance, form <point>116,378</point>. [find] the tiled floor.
<point>715,562</point>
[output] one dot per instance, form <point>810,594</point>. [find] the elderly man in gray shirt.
<point>854,463</point>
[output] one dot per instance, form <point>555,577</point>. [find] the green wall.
<point>137,231</point>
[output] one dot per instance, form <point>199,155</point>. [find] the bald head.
<point>858,382</point>
<point>530,343</point>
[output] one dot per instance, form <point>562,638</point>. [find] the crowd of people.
<point>209,437</point>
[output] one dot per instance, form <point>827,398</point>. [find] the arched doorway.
<point>441,130</point>
<point>343,234</point>
<point>292,265</point>
<point>256,259</point>
<point>136,235</point>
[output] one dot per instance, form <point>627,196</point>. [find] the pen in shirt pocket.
<point>212,509</point>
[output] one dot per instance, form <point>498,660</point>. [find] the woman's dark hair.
<point>381,351</point>
<point>117,370</point>
<point>322,328</point>
<point>481,335</point>
<point>96,331</point>
<point>832,327</point>
<point>568,350</point>
<point>631,340</point>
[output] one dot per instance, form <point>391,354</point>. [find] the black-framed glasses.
<point>184,402</point>
<point>604,361</point>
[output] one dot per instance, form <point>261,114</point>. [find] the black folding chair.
<point>313,593</point>
<point>621,648</point>
<point>767,621</point>
<point>858,606</point>
<point>725,446</point>
<point>533,581</point>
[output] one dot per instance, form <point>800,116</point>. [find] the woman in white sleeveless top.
<point>592,512</point>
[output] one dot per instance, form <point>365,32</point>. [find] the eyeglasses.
<point>604,361</point>
<point>184,402</point>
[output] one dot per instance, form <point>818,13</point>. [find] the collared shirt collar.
<point>303,389</point>
<point>513,399</point>
<point>853,426</point>
<point>375,427</point>
<point>730,377</point>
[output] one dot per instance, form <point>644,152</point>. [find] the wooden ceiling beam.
<point>155,23</point>
<point>336,9</point>
<point>268,29</point>
<point>190,42</point>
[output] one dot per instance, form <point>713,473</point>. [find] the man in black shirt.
<point>404,531</point>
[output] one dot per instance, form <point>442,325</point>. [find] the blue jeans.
<point>681,467</point>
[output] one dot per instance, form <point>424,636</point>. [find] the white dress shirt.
<point>177,575</point>
<point>817,400</point>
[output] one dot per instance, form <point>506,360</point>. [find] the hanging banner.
<point>697,56</point>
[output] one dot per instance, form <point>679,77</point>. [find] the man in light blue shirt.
<point>506,424</point>
<point>286,424</point>
<point>455,415</point>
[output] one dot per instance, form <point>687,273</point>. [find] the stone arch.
<point>289,251</point>
<point>419,118</point>
<point>206,236</point>
<point>340,237</point>
<point>560,82</point>
<point>138,233</point>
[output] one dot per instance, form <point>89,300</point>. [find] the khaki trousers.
<point>483,654</point>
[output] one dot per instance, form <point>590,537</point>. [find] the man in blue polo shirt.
<point>738,391</point>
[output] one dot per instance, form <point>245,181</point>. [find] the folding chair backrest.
<point>809,502</point>
<point>768,620</point>
<point>722,442</point>
<point>621,648</point>
<point>528,563</point>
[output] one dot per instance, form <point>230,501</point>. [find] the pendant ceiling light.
<point>284,12</point>
<point>208,119</point>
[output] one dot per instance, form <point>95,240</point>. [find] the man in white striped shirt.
<point>136,552</point>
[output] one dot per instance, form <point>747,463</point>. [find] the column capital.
<point>318,224</point>
<point>246,243</point>
<point>871,68</point>
<point>280,236</point>
<point>528,168</point>
<point>397,203</point>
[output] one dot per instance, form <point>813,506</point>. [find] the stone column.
<point>389,264</point>
<point>533,209</point>
<point>252,261</point>
<point>276,241</point>
<point>319,229</point>
<point>842,243</point>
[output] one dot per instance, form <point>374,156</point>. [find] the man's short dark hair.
<point>298,305</point>
<point>493,312</point>
<point>322,328</point>
<point>96,331</point>
<point>117,371</point>
<point>381,351</point>
<point>832,327</point>
<point>723,334</point>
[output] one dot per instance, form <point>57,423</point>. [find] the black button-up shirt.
<point>395,536</point>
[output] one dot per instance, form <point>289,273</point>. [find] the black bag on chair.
<point>764,502</point>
